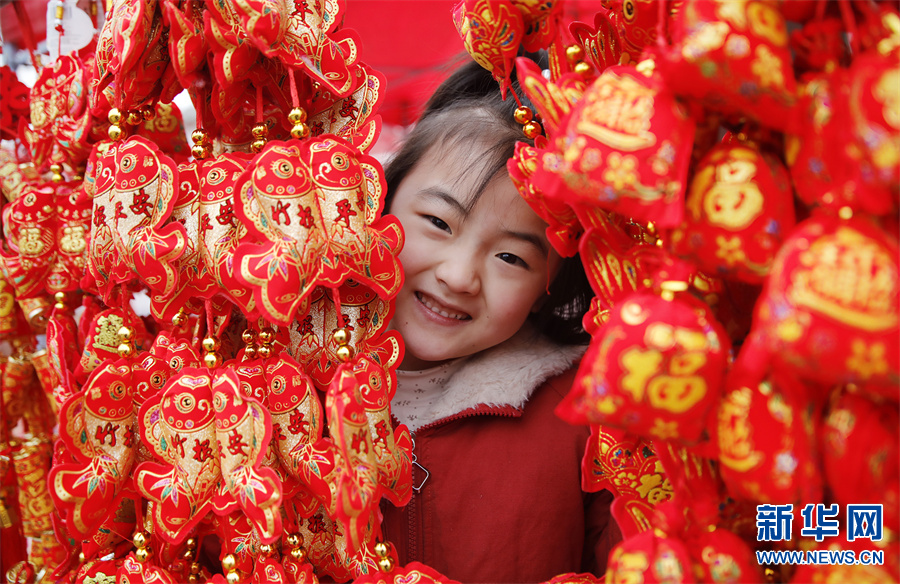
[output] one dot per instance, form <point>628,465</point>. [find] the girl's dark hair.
<point>467,108</point>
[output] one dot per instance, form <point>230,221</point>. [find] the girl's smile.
<point>437,308</point>
<point>475,265</point>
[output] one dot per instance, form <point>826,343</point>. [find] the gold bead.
<point>229,562</point>
<point>382,549</point>
<point>266,549</point>
<point>148,113</point>
<point>135,118</point>
<point>248,336</point>
<point>523,115</point>
<point>190,542</point>
<point>193,578</point>
<point>126,333</point>
<point>114,116</point>
<point>142,554</point>
<point>115,132</point>
<point>574,53</point>
<point>60,298</point>
<point>297,116</point>
<point>233,578</point>
<point>531,130</point>
<point>386,564</point>
<point>212,360</point>
<point>344,353</point>
<point>260,131</point>
<point>199,152</point>
<point>646,67</point>
<point>81,558</point>
<point>263,352</point>
<point>294,539</point>
<point>257,145</point>
<point>198,136</point>
<point>299,131</point>
<point>299,553</point>
<point>267,336</point>
<point>125,350</point>
<point>188,555</point>
<point>583,68</point>
<point>195,568</point>
<point>250,352</point>
<point>341,336</point>
<point>180,319</point>
<point>139,539</point>
<point>211,344</point>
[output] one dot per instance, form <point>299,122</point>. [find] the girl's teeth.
<point>443,313</point>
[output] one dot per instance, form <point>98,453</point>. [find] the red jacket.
<point>502,501</point>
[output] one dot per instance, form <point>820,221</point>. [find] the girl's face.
<point>471,277</point>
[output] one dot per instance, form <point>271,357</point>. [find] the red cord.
<point>295,99</point>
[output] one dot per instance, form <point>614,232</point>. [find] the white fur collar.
<point>505,375</point>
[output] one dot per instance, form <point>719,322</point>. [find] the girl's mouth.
<point>436,307</point>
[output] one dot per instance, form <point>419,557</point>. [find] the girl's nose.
<point>459,273</point>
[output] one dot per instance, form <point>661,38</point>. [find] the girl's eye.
<point>439,223</point>
<point>512,259</point>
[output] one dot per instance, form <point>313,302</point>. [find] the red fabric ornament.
<point>655,369</point>
<point>651,558</point>
<point>818,46</point>
<point>629,468</point>
<point>636,24</point>
<point>305,38</point>
<point>829,311</point>
<point>625,148</point>
<point>563,228</point>
<point>29,225</point>
<point>765,446</point>
<point>721,556</point>
<point>363,313</point>
<point>828,154</point>
<point>873,106</point>
<point>614,263</point>
<point>316,206</point>
<point>554,101</point>
<point>416,572</point>
<point>60,122</point>
<point>101,339</point>
<point>243,431</point>
<point>135,192</point>
<point>737,213</point>
<point>492,31</point>
<point>134,571</point>
<point>132,54</point>
<point>99,427</point>
<point>220,232</point>
<point>163,125</point>
<point>178,425</point>
<point>350,117</point>
<point>734,57</point>
<point>602,43</point>
<point>861,455</point>
<point>15,177</point>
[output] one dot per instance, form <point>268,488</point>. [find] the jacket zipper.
<point>413,505</point>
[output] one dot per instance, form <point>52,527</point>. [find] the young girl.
<point>491,319</point>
